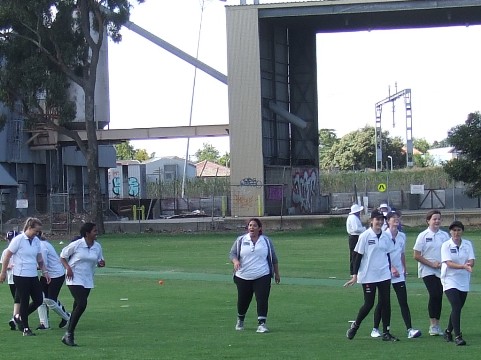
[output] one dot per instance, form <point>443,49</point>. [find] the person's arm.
<point>418,257</point>
<point>234,256</point>
<point>41,266</point>
<point>68,269</point>
<point>6,260</point>
<point>277,275</point>
<point>453,265</point>
<point>356,265</point>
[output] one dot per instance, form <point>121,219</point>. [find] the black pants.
<point>402,298</point>
<point>28,287</point>
<point>369,290</point>
<point>435,290</point>
<point>456,299</point>
<point>80,296</point>
<point>261,287</point>
<point>352,244</point>
<point>51,291</point>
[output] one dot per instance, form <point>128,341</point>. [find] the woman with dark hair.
<point>427,252</point>
<point>80,258</point>
<point>28,256</point>
<point>255,263</point>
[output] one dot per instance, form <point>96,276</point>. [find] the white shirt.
<point>428,243</point>
<point>9,267</point>
<point>52,260</point>
<point>456,278</point>
<point>374,263</point>
<point>396,255</point>
<point>354,225</point>
<point>253,258</point>
<point>83,261</point>
<point>25,255</point>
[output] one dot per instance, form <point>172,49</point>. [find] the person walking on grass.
<point>255,263</point>
<point>457,256</point>
<point>80,258</point>
<point>371,270</point>
<point>354,228</point>
<point>427,252</point>
<point>28,256</point>
<point>16,301</point>
<point>51,290</point>
<point>398,277</point>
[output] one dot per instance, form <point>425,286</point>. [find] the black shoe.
<point>12,324</point>
<point>63,323</point>
<point>459,340</point>
<point>388,337</point>
<point>28,332</point>
<point>352,331</point>
<point>42,327</point>
<point>448,335</point>
<point>67,339</point>
<point>19,322</point>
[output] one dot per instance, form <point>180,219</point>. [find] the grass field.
<point>192,315</point>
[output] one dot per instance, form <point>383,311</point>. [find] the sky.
<point>149,87</point>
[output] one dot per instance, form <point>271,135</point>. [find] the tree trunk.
<point>95,195</point>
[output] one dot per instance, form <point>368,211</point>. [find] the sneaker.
<point>262,328</point>
<point>435,330</point>
<point>12,324</point>
<point>63,323</point>
<point>239,325</point>
<point>388,337</point>
<point>448,335</point>
<point>413,333</point>
<point>19,322</point>
<point>352,331</point>
<point>459,340</point>
<point>375,333</point>
<point>42,327</point>
<point>28,332</point>
<point>68,340</point>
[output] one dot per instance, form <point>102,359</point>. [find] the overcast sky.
<point>150,87</point>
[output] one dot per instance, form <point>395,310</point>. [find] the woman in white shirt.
<point>457,256</point>
<point>80,258</point>
<point>16,301</point>
<point>427,252</point>
<point>28,256</point>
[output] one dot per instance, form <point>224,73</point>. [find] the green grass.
<point>192,316</point>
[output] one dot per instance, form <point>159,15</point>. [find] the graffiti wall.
<point>305,191</point>
<point>127,181</point>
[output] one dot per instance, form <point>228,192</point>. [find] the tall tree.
<point>466,139</point>
<point>421,144</point>
<point>356,151</point>
<point>224,160</point>
<point>327,139</point>
<point>208,152</point>
<point>46,45</point>
<point>126,151</point>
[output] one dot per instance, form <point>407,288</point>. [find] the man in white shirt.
<point>354,228</point>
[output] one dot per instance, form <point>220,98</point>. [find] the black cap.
<point>457,224</point>
<point>376,214</point>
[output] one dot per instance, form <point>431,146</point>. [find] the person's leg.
<point>16,307</point>
<point>245,291</point>
<point>384,288</point>
<point>51,299</point>
<point>262,289</point>
<point>369,291</point>
<point>457,299</point>
<point>23,293</point>
<point>352,244</point>
<point>80,294</point>
<point>42,309</point>
<point>435,291</point>
<point>402,298</point>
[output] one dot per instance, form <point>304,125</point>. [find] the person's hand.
<point>436,264</point>
<point>395,272</point>
<point>468,267</point>
<point>101,263</point>
<point>69,273</point>
<point>237,264</point>
<point>277,278</point>
<point>351,282</point>
<point>47,277</point>
<point>2,277</point>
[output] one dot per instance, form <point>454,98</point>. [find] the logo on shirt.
<point>371,242</point>
<point>246,243</point>
<point>453,251</point>
<point>429,239</point>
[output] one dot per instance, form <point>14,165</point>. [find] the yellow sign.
<point>381,187</point>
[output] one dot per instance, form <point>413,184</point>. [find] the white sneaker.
<point>413,333</point>
<point>435,330</point>
<point>262,328</point>
<point>375,333</point>
<point>239,325</point>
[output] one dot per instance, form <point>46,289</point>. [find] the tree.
<point>421,144</point>
<point>224,160</point>
<point>327,139</point>
<point>356,151</point>
<point>466,139</point>
<point>47,45</point>
<point>440,144</point>
<point>125,151</point>
<point>208,152</point>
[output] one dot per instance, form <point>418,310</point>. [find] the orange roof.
<point>415,151</point>
<point>210,169</point>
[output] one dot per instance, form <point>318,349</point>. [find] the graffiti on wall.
<point>133,184</point>
<point>305,189</point>
<point>250,182</point>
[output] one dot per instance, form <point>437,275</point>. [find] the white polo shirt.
<point>456,278</point>
<point>83,261</point>
<point>396,255</point>
<point>9,267</point>
<point>52,260</point>
<point>26,252</point>
<point>253,258</point>
<point>374,263</point>
<point>354,225</point>
<point>428,243</point>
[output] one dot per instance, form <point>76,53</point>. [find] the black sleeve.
<point>357,262</point>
